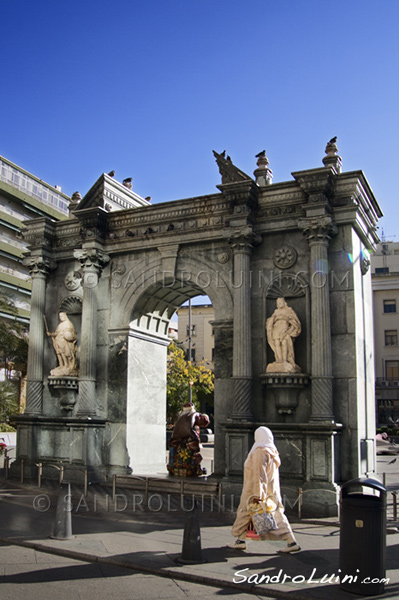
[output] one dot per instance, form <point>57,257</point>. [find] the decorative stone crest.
<point>364,264</point>
<point>73,280</point>
<point>229,172</point>
<point>223,258</point>
<point>285,257</point>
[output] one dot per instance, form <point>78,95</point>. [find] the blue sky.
<point>150,88</point>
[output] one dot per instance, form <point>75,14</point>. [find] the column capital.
<point>91,259</point>
<point>39,265</point>
<point>318,230</point>
<point>242,239</point>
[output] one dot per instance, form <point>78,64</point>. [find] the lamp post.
<point>190,391</point>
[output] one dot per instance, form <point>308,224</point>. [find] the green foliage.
<point>180,373</point>
<point>14,338</point>
<point>7,428</point>
<point>9,400</point>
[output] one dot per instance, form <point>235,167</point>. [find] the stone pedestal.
<point>286,388</point>
<point>310,454</point>
<point>73,444</point>
<point>66,389</point>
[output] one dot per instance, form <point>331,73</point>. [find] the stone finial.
<point>128,182</point>
<point>263,174</point>
<point>332,158</point>
<point>75,199</point>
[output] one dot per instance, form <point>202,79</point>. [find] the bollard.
<point>39,474</point>
<point>191,549</point>
<point>63,517</point>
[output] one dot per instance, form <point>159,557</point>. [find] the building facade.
<point>202,336</point>
<point>23,196</point>
<point>385,282</point>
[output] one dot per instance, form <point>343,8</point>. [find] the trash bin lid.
<point>363,482</point>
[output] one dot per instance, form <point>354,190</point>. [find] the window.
<point>392,369</point>
<point>193,330</point>
<point>389,306</point>
<point>391,337</point>
<point>192,358</point>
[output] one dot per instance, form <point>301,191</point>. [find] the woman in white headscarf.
<point>262,483</point>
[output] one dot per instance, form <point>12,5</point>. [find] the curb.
<point>167,572</point>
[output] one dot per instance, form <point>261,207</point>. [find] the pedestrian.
<point>261,483</point>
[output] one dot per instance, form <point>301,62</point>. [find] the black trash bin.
<point>363,536</point>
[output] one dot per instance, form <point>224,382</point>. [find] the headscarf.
<point>263,439</point>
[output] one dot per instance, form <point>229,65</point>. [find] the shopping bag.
<point>262,517</point>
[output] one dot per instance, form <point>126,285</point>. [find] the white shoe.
<point>237,545</point>
<point>293,547</point>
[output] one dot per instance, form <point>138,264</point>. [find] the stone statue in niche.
<point>282,328</point>
<point>65,341</point>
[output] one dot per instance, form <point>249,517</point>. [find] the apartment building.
<point>23,196</point>
<point>385,281</point>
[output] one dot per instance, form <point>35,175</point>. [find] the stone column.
<point>39,268</point>
<point>318,232</point>
<point>92,261</point>
<point>242,243</point>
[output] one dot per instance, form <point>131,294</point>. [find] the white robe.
<point>261,480</point>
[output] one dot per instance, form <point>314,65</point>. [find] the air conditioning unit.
<point>395,382</point>
<point>384,383</point>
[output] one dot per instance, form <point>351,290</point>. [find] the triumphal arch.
<point>106,282</point>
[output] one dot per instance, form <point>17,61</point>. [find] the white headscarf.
<point>263,439</point>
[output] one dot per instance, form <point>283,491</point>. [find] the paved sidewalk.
<point>150,542</point>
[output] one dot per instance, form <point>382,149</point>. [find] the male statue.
<point>65,341</point>
<point>282,328</point>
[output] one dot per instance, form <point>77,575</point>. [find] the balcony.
<point>386,382</point>
<point>35,188</point>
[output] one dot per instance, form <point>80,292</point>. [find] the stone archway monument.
<point>113,274</point>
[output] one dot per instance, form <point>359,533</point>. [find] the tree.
<point>13,357</point>
<point>9,403</point>
<point>180,375</point>
<point>14,339</point>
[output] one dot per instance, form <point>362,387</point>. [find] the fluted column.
<point>318,233</point>
<point>242,242</point>
<point>39,268</point>
<point>92,261</point>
